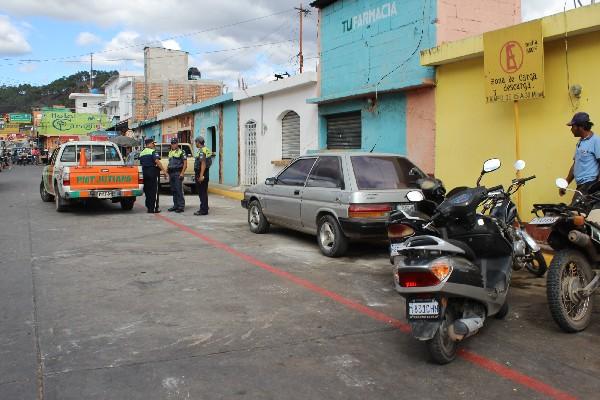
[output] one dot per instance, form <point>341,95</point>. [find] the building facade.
<point>87,103</point>
<point>276,125</point>
<point>471,130</point>
<point>373,92</point>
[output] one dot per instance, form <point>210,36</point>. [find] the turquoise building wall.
<point>383,127</point>
<point>230,144</point>
<point>369,47</point>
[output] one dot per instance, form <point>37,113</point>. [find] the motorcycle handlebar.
<point>494,188</point>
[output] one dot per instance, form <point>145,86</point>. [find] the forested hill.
<point>24,97</point>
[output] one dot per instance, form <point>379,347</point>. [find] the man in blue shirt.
<point>586,167</point>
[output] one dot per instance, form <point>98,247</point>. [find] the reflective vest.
<point>208,157</point>
<point>176,158</point>
<point>147,157</point>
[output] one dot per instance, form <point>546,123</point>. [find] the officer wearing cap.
<point>586,161</point>
<point>151,167</point>
<point>176,169</point>
<point>202,163</point>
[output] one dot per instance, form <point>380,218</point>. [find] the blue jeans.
<point>176,183</point>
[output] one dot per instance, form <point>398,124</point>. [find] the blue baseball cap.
<point>174,141</point>
<point>579,119</point>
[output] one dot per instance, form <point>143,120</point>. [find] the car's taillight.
<point>140,178</point>
<point>369,210</point>
<point>66,179</point>
<point>399,231</point>
<point>423,278</point>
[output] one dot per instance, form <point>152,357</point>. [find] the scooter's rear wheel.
<point>537,265</point>
<point>442,348</point>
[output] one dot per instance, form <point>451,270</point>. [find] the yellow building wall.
<point>469,131</point>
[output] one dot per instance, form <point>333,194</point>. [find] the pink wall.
<point>420,128</point>
<point>458,19</point>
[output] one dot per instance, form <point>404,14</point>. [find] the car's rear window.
<point>385,172</point>
<point>94,153</point>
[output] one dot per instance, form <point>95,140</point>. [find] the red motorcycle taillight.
<point>397,231</point>
<point>417,279</point>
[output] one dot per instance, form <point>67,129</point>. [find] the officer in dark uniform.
<point>177,167</point>
<point>151,167</point>
<point>201,169</point>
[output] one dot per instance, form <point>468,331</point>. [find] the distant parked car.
<point>337,196</point>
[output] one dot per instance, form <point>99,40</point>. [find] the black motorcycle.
<point>527,253</point>
<point>574,273</point>
<point>453,267</point>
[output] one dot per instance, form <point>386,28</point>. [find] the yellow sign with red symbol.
<point>513,61</point>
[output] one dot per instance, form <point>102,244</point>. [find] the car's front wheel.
<point>331,239</point>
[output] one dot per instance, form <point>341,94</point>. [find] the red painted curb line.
<point>483,362</point>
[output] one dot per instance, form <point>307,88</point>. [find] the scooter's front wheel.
<point>442,348</point>
<point>537,265</point>
<point>569,272</point>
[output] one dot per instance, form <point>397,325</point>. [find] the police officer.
<point>176,169</point>
<point>201,169</point>
<point>151,167</point>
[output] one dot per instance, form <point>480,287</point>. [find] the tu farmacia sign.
<point>514,63</point>
<point>59,123</point>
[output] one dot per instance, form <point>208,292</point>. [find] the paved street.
<point>99,303</point>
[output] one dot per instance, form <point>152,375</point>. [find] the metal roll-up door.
<point>344,131</point>
<point>290,130</point>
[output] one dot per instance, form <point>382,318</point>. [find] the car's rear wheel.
<point>256,219</point>
<point>46,197</point>
<point>331,239</point>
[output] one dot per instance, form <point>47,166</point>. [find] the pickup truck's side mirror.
<point>270,181</point>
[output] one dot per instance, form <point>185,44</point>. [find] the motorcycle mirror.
<point>562,183</point>
<point>491,165</point>
<point>415,196</point>
<point>520,165</point>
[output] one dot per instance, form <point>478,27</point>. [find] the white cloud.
<point>28,68</point>
<point>533,9</point>
<point>171,44</point>
<point>12,40</point>
<point>87,38</point>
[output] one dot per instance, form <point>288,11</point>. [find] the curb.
<point>226,193</point>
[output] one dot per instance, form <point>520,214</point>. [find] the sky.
<point>42,40</point>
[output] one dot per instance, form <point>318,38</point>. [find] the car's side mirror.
<point>270,181</point>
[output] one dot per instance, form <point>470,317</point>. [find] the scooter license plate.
<point>423,309</point>
<point>543,220</point>
<point>104,195</point>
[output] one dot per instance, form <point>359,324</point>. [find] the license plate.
<point>104,195</point>
<point>423,309</point>
<point>394,247</point>
<point>544,220</point>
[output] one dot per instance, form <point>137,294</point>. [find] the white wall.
<point>165,64</point>
<point>269,142</point>
<point>92,104</point>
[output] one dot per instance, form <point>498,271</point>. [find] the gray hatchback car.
<point>337,196</point>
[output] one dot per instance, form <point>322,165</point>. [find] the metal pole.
<point>518,148</point>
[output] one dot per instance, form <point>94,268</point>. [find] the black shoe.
<point>150,212</point>
<point>156,211</point>
<point>200,213</point>
<point>179,210</point>
<point>172,209</point>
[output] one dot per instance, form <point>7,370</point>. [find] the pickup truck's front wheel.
<point>127,203</point>
<point>59,203</point>
<point>46,197</point>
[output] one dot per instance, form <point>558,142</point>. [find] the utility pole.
<point>91,72</point>
<point>302,12</point>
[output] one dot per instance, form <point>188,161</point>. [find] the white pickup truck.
<point>100,174</point>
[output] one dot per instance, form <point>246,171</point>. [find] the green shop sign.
<point>20,118</point>
<point>57,123</point>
